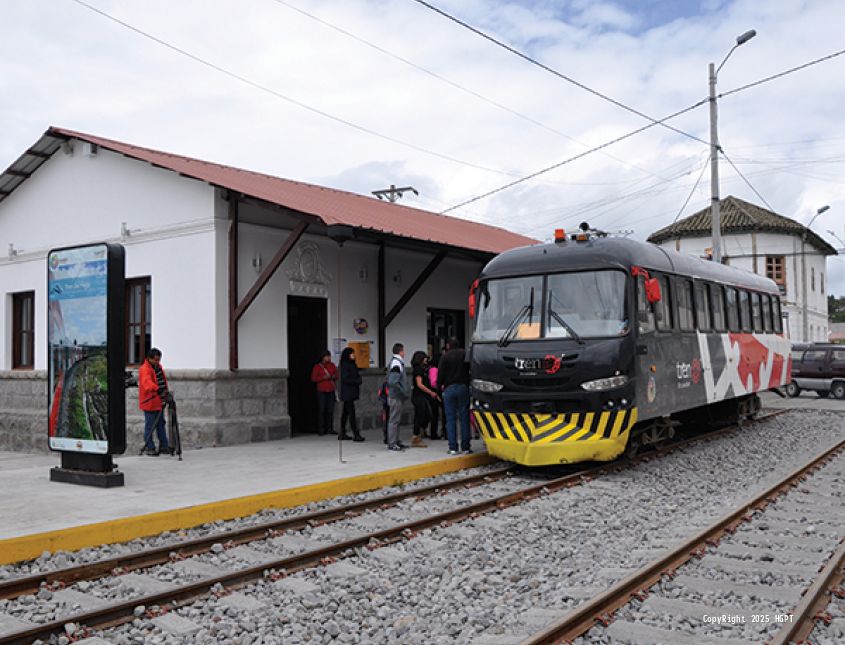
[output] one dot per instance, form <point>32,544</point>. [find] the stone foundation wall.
<point>23,411</point>
<point>368,407</point>
<point>216,408</point>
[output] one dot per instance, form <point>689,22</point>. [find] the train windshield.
<point>588,304</point>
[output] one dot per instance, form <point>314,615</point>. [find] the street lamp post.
<point>804,310</point>
<point>715,206</point>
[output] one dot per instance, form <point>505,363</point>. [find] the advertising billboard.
<point>85,304</point>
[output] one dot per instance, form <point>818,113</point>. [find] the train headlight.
<point>486,386</point>
<point>602,384</point>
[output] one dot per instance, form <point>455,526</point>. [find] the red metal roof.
<point>330,205</point>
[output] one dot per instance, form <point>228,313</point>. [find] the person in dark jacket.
<point>453,381</point>
<point>422,396</point>
<point>324,375</point>
<point>350,391</point>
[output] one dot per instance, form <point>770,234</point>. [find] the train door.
<point>649,352</point>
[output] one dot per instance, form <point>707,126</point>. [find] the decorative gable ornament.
<point>308,276</point>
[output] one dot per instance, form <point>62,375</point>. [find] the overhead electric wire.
<point>457,86</point>
<point>573,211</point>
<point>694,188</point>
<point>781,74</point>
<point>269,90</point>
<point>555,72</point>
<point>748,183</point>
<point>575,158</point>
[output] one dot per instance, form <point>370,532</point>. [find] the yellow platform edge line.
<point>26,547</point>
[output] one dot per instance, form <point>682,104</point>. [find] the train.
<point>592,346</point>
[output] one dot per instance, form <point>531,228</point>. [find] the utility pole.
<point>715,206</point>
<point>393,193</point>
<point>804,309</point>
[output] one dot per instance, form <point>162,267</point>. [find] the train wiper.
<point>562,322</point>
<point>526,309</point>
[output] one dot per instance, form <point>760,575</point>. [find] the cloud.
<point>61,64</point>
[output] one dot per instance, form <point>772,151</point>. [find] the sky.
<point>362,94</point>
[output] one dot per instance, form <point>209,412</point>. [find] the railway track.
<point>279,567</point>
<point>621,613</point>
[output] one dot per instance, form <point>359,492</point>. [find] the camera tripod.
<point>173,437</point>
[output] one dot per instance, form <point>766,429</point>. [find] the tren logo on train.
<point>688,373</point>
<point>550,364</point>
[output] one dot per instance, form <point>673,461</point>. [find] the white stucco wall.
<point>78,199</point>
<point>740,248</point>
<point>263,328</point>
<point>179,237</point>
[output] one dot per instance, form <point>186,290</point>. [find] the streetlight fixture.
<point>804,311</point>
<point>715,207</point>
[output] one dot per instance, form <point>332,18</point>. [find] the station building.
<point>240,278</point>
<point>761,241</point>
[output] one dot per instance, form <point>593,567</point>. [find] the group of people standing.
<point>326,376</point>
<point>432,388</point>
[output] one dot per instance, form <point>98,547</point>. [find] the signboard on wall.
<point>86,349</point>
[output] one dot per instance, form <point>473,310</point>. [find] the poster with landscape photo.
<point>78,349</point>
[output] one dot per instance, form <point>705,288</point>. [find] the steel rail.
<point>123,612</point>
<point>579,621</point>
<point>161,555</point>
<point>813,602</point>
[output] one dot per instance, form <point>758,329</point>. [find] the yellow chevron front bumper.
<point>546,439</point>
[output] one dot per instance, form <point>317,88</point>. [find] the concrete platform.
<point>162,493</point>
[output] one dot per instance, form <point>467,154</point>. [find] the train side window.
<point>717,304</point>
<point>684,300</point>
<point>767,312</point>
<point>756,317</point>
<point>744,311</point>
<point>731,307</point>
<point>702,307</point>
<point>663,307</point>
<point>645,316</point>
<point>777,319</point>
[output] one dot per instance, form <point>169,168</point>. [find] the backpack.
<point>383,393</point>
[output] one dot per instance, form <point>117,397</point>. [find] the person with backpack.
<point>350,391</point>
<point>324,375</point>
<point>398,393</point>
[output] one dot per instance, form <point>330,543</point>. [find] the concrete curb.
<point>27,547</point>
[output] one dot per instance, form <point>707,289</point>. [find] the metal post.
<point>806,327</point>
<point>715,206</point>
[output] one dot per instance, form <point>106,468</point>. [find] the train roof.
<point>617,253</point>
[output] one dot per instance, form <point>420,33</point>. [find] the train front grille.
<point>553,428</point>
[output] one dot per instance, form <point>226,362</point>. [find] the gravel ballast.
<point>499,577</point>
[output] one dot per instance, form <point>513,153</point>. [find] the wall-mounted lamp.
<point>13,252</point>
<point>363,273</point>
<point>397,277</point>
<point>67,147</point>
<point>126,232</point>
<point>257,263</point>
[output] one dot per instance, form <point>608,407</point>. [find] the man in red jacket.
<point>152,395</point>
<point>324,375</point>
